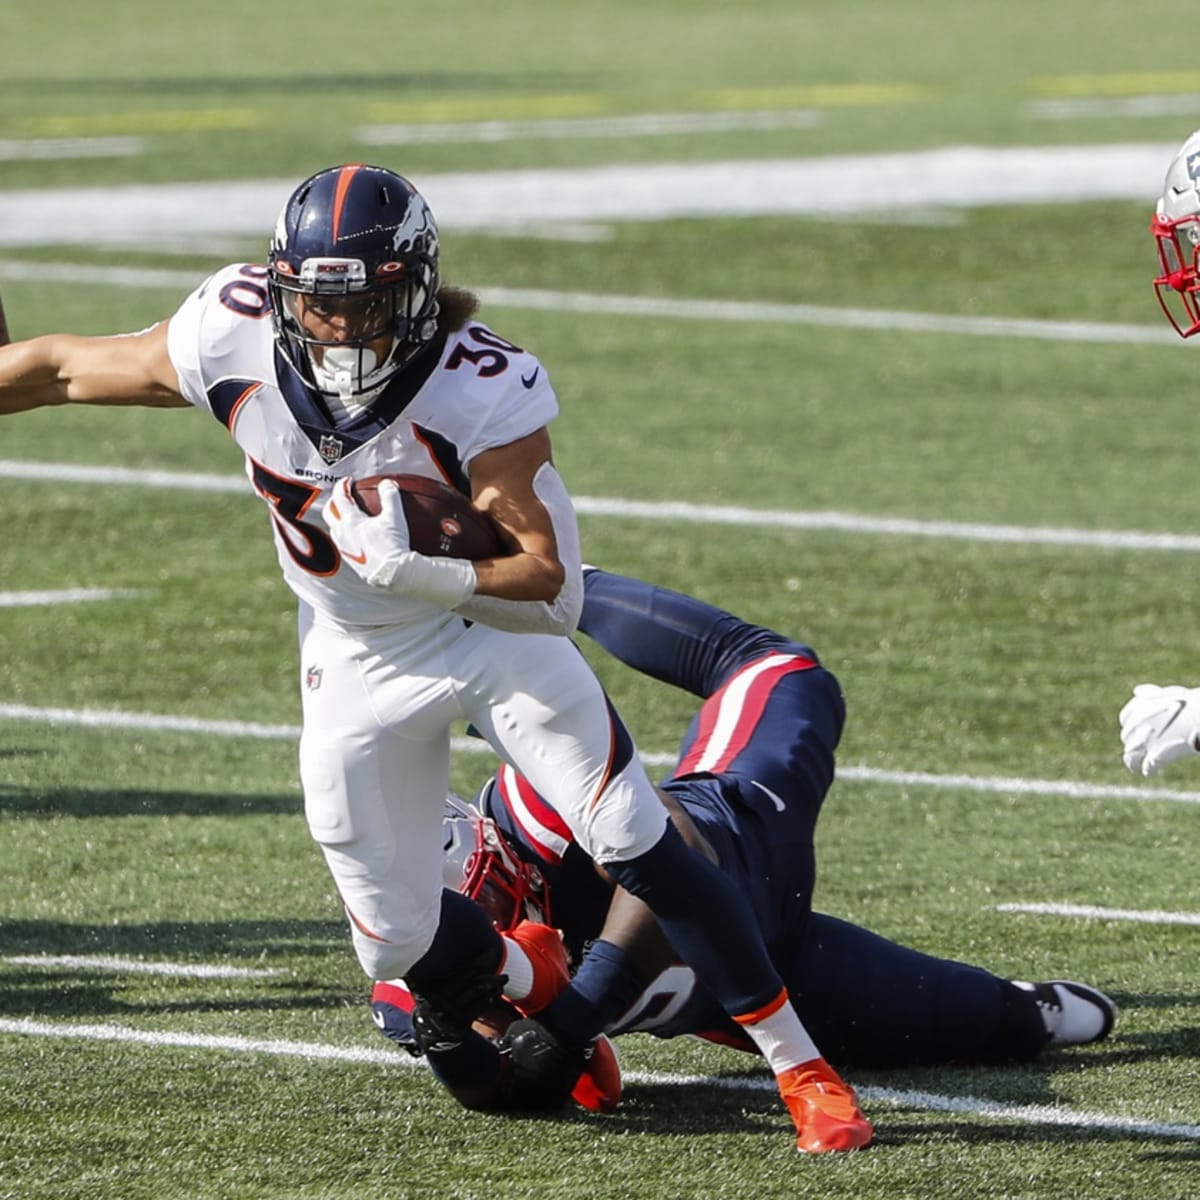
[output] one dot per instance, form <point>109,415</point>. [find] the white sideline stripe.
<point>810,314</point>
<point>1128,106</point>
<point>837,186</point>
<point>635,125</point>
<point>708,514</point>
<point>137,966</point>
<point>65,596</point>
<point>1152,916</point>
<point>1013,785</point>
<point>1034,1114</point>
<point>149,722</point>
<point>17,149</point>
<point>657,307</point>
<point>200,1041</point>
<point>158,723</point>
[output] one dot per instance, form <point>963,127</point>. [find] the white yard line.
<point>1007,785</point>
<point>1090,912</point>
<point>32,149</point>
<point>831,186</point>
<point>65,596</point>
<point>676,510</point>
<point>1027,1114</point>
<point>761,312</point>
<point>556,128</point>
<point>138,966</point>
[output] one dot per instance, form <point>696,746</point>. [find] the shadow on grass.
<point>105,802</point>
<point>93,989</point>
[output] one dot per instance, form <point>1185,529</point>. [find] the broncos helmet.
<point>477,862</point>
<point>359,245</point>
<point>1176,229</point>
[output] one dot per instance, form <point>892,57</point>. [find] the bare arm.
<point>502,486</point>
<point>63,368</point>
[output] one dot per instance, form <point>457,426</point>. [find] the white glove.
<point>1160,726</point>
<point>377,549</point>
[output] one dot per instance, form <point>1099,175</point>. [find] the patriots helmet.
<point>353,277</point>
<point>1176,229</point>
<point>477,861</point>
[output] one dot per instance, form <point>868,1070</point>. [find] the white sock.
<point>518,968</point>
<point>779,1035</point>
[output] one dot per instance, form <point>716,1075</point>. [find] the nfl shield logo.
<point>312,678</point>
<point>330,448</point>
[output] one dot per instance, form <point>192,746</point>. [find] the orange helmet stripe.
<point>339,196</point>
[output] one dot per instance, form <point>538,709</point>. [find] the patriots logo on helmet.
<point>1193,165</point>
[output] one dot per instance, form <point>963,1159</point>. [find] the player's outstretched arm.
<point>63,368</point>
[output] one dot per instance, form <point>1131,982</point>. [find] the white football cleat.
<point>1073,1013</point>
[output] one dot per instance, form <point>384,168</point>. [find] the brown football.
<point>441,520</point>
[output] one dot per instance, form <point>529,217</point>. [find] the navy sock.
<point>465,939</point>
<point>706,919</point>
<point>605,986</point>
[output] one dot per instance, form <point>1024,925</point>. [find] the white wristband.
<point>444,582</point>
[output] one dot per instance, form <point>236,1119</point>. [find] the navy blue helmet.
<point>354,261</point>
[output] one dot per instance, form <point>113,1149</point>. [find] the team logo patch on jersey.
<point>312,678</point>
<point>330,448</point>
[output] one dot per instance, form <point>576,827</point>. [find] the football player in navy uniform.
<point>345,356</point>
<point>753,771</point>
<point>1161,724</point>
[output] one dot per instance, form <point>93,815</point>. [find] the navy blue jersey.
<point>753,772</point>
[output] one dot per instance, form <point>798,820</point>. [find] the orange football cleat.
<point>599,1087</point>
<point>824,1109</point>
<point>544,947</point>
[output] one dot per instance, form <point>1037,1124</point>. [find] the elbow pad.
<point>561,615</point>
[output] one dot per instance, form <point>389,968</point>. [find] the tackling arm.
<point>63,368</point>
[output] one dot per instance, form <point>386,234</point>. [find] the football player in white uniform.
<point>345,357</point>
<point>1161,724</point>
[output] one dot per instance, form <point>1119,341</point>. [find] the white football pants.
<point>375,761</point>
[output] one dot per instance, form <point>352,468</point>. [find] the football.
<point>441,520</point>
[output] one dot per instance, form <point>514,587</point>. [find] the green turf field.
<point>941,498</point>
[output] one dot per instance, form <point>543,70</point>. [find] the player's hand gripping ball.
<point>441,520</point>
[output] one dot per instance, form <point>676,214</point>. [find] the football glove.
<point>377,550</point>
<point>543,1069</point>
<point>1160,726</point>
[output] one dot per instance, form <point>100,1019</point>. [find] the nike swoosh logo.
<point>358,558</point>
<point>770,795</point>
<point>530,380</point>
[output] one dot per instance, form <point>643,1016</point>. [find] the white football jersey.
<point>442,410</point>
